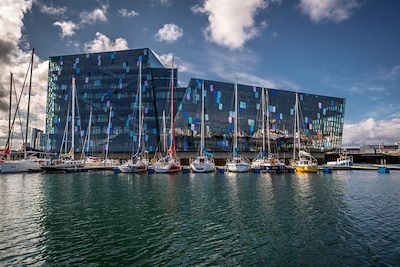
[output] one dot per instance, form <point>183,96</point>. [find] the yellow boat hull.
<point>307,169</point>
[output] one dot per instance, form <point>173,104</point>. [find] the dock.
<point>360,167</point>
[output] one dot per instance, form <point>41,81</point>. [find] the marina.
<point>217,169</point>
<point>199,133</point>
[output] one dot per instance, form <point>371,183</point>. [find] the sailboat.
<point>138,162</point>
<point>305,162</point>
<point>67,162</point>
<point>90,161</point>
<point>265,160</point>
<point>236,163</point>
<point>169,163</point>
<point>157,155</point>
<point>5,154</point>
<point>204,162</point>
<point>27,164</point>
<point>107,162</point>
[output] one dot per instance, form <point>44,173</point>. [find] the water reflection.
<point>209,219</point>
<point>20,229</point>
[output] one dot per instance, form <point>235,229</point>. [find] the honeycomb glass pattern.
<point>110,79</point>
<point>321,117</point>
<point>105,80</point>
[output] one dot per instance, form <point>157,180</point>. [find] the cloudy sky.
<point>345,48</point>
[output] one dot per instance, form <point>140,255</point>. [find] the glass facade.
<point>110,79</point>
<point>321,117</point>
<point>105,80</point>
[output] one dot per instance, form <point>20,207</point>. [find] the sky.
<point>343,48</point>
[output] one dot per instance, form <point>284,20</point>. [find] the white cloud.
<point>11,19</point>
<point>236,64</point>
<point>328,10</point>
<point>244,77</point>
<point>391,74</point>
<point>73,43</point>
<point>169,33</point>
<point>371,131</point>
<point>125,13</point>
<point>67,28</point>
<point>249,79</point>
<point>14,59</point>
<point>368,89</point>
<point>51,10</point>
<point>231,22</point>
<point>98,14</point>
<point>165,3</point>
<point>103,43</point>
<point>183,66</point>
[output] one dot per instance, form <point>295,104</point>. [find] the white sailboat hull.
<point>65,165</point>
<point>202,167</point>
<point>19,166</point>
<point>238,167</point>
<point>166,167</point>
<point>267,165</point>
<point>130,167</point>
<point>135,168</point>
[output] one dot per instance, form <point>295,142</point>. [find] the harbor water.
<point>343,218</point>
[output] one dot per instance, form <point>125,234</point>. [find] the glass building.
<point>321,117</point>
<point>110,80</point>
<point>103,81</point>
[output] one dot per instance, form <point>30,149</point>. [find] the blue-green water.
<point>345,218</point>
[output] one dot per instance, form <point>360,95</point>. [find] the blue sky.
<point>345,48</point>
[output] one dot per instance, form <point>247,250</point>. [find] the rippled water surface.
<point>346,218</point>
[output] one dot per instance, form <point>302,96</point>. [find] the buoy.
<point>383,170</point>
<point>221,170</point>
<point>290,170</point>
<point>327,170</point>
<point>185,170</point>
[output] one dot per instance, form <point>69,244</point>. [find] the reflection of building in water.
<point>110,79</point>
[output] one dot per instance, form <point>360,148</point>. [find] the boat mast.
<point>173,152</point>
<point>140,106</point>
<point>66,132</point>
<point>86,145</point>
<point>65,135</point>
<point>295,129</point>
<point>164,133</point>
<point>7,148</point>
<point>268,133</point>
<point>235,124</point>
<point>73,120</point>
<point>263,118</point>
<point>108,132</point>
<point>89,130</point>
<point>202,120</point>
<point>29,104</point>
<point>298,122</point>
